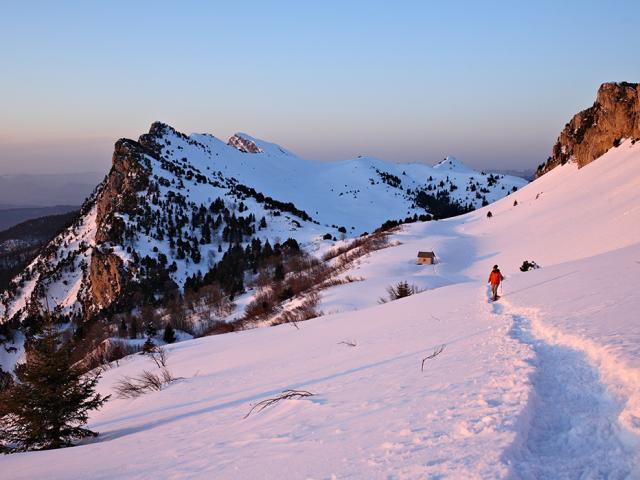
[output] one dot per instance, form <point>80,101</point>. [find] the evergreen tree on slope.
<point>49,404</point>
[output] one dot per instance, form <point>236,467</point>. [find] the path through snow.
<point>573,429</point>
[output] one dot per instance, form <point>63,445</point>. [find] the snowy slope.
<point>544,383</point>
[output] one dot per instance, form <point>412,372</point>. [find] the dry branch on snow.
<point>437,351</point>
<point>285,395</point>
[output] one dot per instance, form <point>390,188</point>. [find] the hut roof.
<point>426,255</point>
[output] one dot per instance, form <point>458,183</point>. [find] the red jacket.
<point>495,277</point>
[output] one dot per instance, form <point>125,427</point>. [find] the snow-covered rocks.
<point>243,144</point>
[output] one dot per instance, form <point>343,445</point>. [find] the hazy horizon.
<point>491,84</point>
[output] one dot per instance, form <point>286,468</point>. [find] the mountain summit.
<point>454,165</point>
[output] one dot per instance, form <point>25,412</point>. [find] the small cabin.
<point>426,258</point>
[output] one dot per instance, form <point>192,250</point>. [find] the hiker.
<point>495,277</point>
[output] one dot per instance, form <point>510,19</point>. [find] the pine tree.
<point>278,274</point>
<point>150,329</point>
<point>133,331</point>
<point>169,335</point>
<point>403,290</point>
<point>49,404</point>
<point>122,329</point>
<point>400,290</point>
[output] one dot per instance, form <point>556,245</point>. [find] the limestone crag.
<point>107,278</point>
<point>129,175</point>
<point>614,116</point>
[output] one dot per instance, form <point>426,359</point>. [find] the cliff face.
<point>127,177</point>
<point>107,279</point>
<point>615,115</point>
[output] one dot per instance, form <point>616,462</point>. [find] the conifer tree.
<point>122,329</point>
<point>279,272</point>
<point>401,290</point>
<point>49,405</point>
<point>169,335</point>
<point>133,331</point>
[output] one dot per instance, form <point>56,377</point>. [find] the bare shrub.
<point>335,281</point>
<point>285,395</point>
<point>178,317</point>
<point>108,351</point>
<point>214,298</point>
<point>305,311</point>
<point>146,382</point>
<point>348,343</point>
<point>305,277</point>
<point>368,243</point>
<point>159,356</point>
<point>218,327</point>
<point>263,305</point>
<point>209,301</point>
<point>437,351</point>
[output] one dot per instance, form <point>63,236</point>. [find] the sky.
<point>490,82</point>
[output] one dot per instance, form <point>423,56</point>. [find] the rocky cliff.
<point>614,116</point>
<point>128,176</point>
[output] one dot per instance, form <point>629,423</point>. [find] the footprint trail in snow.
<point>573,430</point>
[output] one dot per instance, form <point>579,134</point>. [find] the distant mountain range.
<point>179,209</point>
<point>10,217</point>
<point>47,190</point>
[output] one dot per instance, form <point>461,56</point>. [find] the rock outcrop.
<point>614,116</point>
<point>128,176</point>
<point>118,195</point>
<point>243,144</point>
<point>107,279</point>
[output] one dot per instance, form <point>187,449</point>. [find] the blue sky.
<point>490,82</point>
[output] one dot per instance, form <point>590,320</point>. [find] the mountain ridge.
<point>178,202</point>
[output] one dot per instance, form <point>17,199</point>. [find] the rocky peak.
<point>615,115</point>
<point>243,144</point>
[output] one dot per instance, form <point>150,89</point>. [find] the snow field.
<point>542,384</point>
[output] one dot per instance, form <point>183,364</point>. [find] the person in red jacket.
<point>495,277</point>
